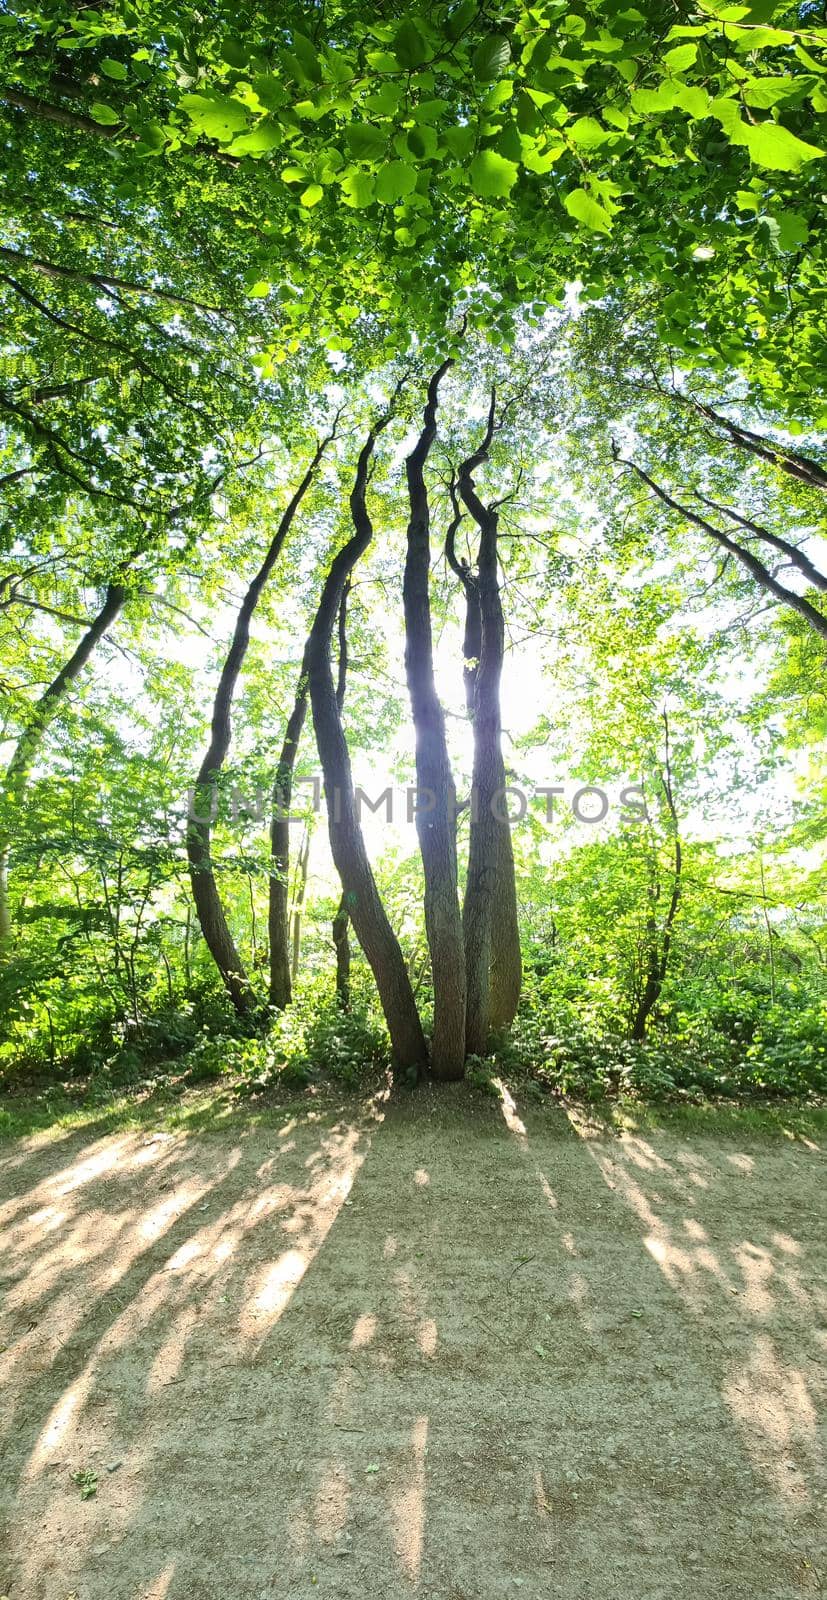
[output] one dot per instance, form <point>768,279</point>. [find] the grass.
<point>760,1119</point>
<point>157,1109</point>
<point>172,1106</point>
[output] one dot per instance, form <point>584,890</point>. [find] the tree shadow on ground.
<point>434,1349</point>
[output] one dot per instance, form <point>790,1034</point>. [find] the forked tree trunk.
<point>205,893</point>
<point>436,817</point>
<point>347,844</point>
<point>492,951</point>
<point>25,752</point>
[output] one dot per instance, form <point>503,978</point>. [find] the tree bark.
<point>26,749</point>
<point>435,820</point>
<point>367,912</point>
<point>205,893</point>
<point>490,878</point>
<point>505,980</point>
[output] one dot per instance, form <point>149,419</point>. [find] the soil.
<point>411,1351</point>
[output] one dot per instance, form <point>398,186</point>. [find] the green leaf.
<point>764,93</point>
<point>385,101</point>
<point>499,94</point>
<point>651,101</point>
<point>793,231</point>
<point>492,176</point>
<point>587,132</point>
<point>105,115</point>
<point>421,142</point>
<point>772,146</point>
<point>681,57</point>
<point>304,52</point>
<point>261,139</point>
<point>460,141</point>
<point>491,58</point>
<point>458,20</point>
<point>234,52</point>
<point>542,161</point>
<point>114,69</point>
<point>394,181</point>
<point>358,189</point>
<point>260,289</point>
<point>311,196</point>
<point>365,141</point>
<point>580,205</point>
<point>151,139</point>
<point>217,116</point>
<point>410,48</point>
<point>691,99</point>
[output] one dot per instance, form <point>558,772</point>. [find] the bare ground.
<point>411,1352</point>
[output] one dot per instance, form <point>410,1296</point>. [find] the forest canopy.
<point>425,403</point>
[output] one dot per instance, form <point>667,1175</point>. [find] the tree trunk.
<point>506,958</point>
<point>435,822</point>
<point>490,881</point>
<point>25,752</point>
<point>208,903</point>
<point>367,912</point>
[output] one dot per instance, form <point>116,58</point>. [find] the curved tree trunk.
<point>25,752</point>
<point>436,823</point>
<point>492,949</point>
<point>347,844</point>
<point>205,892</point>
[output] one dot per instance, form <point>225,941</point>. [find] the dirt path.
<point>411,1355</point>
